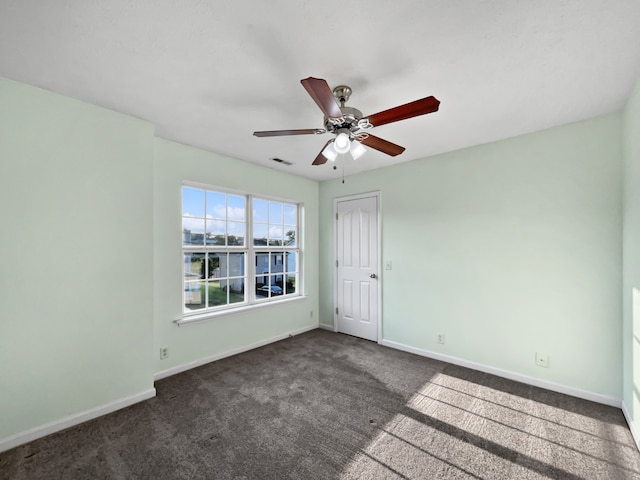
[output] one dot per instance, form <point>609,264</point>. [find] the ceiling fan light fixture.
<point>342,143</point>
<point>357,150</point>
<point>330,153</point>
<point>347,123</point>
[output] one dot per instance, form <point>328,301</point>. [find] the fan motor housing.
<point>350,120</point>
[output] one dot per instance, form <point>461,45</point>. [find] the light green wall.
<point>175,163</point>
<point>76,260</point>
<point>631,255</point>
<point>507,248</point>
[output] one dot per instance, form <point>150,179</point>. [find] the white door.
<point>357,267</point>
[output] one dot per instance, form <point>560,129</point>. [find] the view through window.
<point>238,249</point>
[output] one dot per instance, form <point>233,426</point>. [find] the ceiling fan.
<point>349,125</point>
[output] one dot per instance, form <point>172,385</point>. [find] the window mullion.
<point>251,270</point>
<point>298,250</point>
<point>205,276</point>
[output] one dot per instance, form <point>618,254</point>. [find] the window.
<point>229,261</point>
<point>276,253</point>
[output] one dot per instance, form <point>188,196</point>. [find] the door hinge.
<point>336,263</point>
<point>336,215</point>
<point>336,310</point>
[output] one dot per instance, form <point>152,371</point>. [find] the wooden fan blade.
<point>279,133</point>
<point>383,146</point>
<point>321,159</point>
<point>323,96</point>
<point>402,112</point>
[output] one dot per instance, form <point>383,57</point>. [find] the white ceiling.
<point>208,73</point>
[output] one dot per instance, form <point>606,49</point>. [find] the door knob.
<point>373,275</point>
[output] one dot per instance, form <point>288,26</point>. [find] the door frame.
<point>378,196</point>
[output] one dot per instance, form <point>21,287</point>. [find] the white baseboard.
<point>8,443</point>
<point>632,427</point>
<point>197,363</point>
<point>327,327</point>
<point>536,382</point>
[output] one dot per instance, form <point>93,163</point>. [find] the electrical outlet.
<point>164,353</point>
<point>542,359</point>
<point>441,338</point>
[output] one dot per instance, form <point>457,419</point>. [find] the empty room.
<point>285,240</point>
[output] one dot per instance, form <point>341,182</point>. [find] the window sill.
<point>203,317</point>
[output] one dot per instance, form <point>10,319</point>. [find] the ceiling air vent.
<point>284,162</point>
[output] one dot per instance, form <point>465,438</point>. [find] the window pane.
<point>275,212</point>
<point>236,265</point>
<point>277,262</point>
<point>277,266</point>
<point>290,285</point>
<point>259,234</point>
<point>262,263</point>
<point>260,211</point>
<point>276,235</point>
<point>235,232</point>
<point>269,288</point>
<point>217,293</point>
<point>236,290</point>
<point>236,208</point>
<point>192,202</point>
<point>192,231</point>
<point>216,205</point>
<point>194,295</point>
<point>277,281</point>
<point>290,215</point>
<point>290,235</point>
<point>194,266</point>
<point>217,265</point>
<point>291,262</point>
<point>216,232</point>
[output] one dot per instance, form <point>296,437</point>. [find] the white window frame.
<point>250,275</point>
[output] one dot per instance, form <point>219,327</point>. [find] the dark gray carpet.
<point>329,406</point>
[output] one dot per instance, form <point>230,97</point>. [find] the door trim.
<point>378,196</point>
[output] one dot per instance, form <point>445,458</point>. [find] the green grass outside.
<point>217,296</point>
